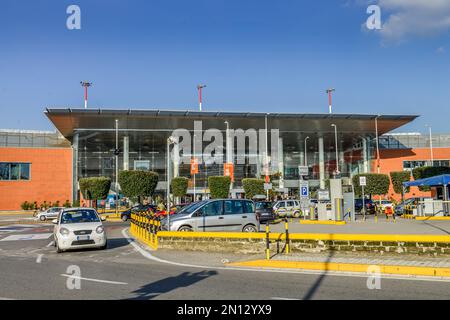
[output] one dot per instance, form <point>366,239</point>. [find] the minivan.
<point>214,216</point>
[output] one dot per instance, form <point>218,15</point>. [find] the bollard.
<point>311,213</point>
<point>267,241</point>
<point>286,225</point>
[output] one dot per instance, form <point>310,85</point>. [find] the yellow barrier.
<point>309,236</point>
<point>145,228</point>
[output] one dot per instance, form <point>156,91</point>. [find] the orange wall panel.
<point>392,160</point>
<point>51,177</point>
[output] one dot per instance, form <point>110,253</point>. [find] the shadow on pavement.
<point>310,294</point>
<point>117,243</point>
<point>185,279</point>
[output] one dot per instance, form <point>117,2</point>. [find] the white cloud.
<point>403,19</point>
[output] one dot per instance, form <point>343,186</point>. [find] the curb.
<point>346,267</point>
<point>433,218</point>
<point>328,222</point>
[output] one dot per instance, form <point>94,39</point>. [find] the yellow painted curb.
<point>433,218</point>
<point>310,236</point>
<point>329,222</point>
<point>346,267</point>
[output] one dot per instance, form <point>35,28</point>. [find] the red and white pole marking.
<point>85,84</point>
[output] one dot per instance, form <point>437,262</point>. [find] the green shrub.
<point>76,203</point>
<point>397,178</point>
<point>95,188</point>
<point>25,205</point>
<point>66,204</point>
<point>219,186</point>
<point>377,184</point>
<point>253,187</point>
<point>138,183</point>
<point>427,172</point>
<point>179,186</point>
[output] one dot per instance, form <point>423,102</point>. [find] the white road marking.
<point>93,280</point>
<point>149,256</point>
<point>280,298</point>
<point>23,237</point>
<point>39,258</point>
<point>50,244</point>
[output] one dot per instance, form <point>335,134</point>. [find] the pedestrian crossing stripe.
<point>25,237</point>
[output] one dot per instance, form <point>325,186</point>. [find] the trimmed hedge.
<point>397,178</point>
<point>179,186</point>
<point>376,184</point>
<point>95,188</point>
<point>219,187</point>
<point>138,183</point>
<point>427,172</point>
<point>253,187</point>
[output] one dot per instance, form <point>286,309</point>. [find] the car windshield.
<point>191,207</point>
<point>263,205</point>
<point>79,216</point>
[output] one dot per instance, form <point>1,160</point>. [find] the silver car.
<point>215,216</point>
<point>50,213</point>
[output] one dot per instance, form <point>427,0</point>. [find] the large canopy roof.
<point>351,127</point>
<point>441,180</point>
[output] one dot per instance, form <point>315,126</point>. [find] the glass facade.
<point>32,139</point>
<point>147,150</point>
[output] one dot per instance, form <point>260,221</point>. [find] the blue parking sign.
<point>304,190</point>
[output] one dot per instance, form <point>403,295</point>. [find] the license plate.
<point>79,238</point>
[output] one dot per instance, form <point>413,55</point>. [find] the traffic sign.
<point>267,186</point>
<point>323,195</point>
<point>228,170</point>
<point>362,181</point>
<point>304,189</point>
<point>303,171</point>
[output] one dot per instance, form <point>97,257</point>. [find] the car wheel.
<point>58,250</point>
<point>42,218</point>
<point>185,229</point>
<point>249,228</point>
<point>124,218</point>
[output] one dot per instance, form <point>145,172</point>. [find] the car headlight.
<point>64,231</point>
<point>99,229</point>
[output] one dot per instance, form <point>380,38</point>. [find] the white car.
<point>79,228</point>
<point>50,213</point>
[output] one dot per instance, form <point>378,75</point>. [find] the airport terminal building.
<point>84,145</point>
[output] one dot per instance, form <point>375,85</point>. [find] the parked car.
<point>264,211</point>
<point>370,208</point>
<point>215,215</point>
<point>140,207</point>
<point>50,213</point>
<point>384,204</point>
<point>287,208</point>
<point>77,228</point>
<point>399,208</point>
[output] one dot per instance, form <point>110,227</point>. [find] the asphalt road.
<point>31,269</point>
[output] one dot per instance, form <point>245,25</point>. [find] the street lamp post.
<point>336,147</point>
<point>199,88</point>
<point>266,160</point>
<point>116,153</point>
<point>229,150</point>
<point>86,85</point>
<point>431,145</point>
<point>306,152</point>
<point>329,92</point>
<point>170,140</point>
<point>195,160</point>
<point>377,144</point>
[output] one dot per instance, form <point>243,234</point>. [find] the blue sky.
<point>254,55</point>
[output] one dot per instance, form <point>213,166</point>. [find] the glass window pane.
<point>4,171</point>
<point>24,171</point>
<point>212,209</point>
<point>15,171</point>
<point>249,207</point>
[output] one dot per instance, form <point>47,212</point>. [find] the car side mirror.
<point>55,221</point>
<point>103,218</point>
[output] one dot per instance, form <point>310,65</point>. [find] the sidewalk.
<point>393,265</point>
